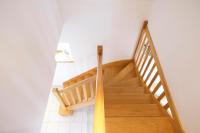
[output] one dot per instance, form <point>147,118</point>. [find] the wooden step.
<point>132,74</point>
<point>124,87</point>
<point>131,99</point>
<point>130,85</point>
<point>128,81</point>
<point>116,110</point>
<point>121,90</point>
<point>122,73</point>
<point>138,125</point>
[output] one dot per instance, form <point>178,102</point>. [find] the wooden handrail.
<point>99,114</point>
<point>144,55</point>
<point>68,88</point>
<point>80,77</point>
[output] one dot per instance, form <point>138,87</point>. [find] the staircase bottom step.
<point>138,125</point>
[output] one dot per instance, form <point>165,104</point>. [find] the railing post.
<point>99,114</point>
<point>62,109</point>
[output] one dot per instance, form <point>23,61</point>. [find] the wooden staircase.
<point>130,96</point>
<point>129,108</point>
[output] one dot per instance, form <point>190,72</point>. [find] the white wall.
<point>175,30</point>
<point>29,32</point>
<point>113,23</point>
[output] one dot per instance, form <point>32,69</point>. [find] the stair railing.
<point>150,73</point>
<point>99,114</point>
<point>77,95</point>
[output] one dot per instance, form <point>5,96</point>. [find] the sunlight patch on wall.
<point>63,53</point>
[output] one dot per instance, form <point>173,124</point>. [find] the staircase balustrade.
<point>76,95</point>
<point>150,73</point>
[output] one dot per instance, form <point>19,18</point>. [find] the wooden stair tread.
<point>132,80</point>
<point>121,90</point>
<point>116,110</point>
<point>132,74</point>
<point>129,96</point>
<point>131,99</point>
<point>122,73</point>
<point>123,87</point>
<point>125,84</point>
<point>138,125</point>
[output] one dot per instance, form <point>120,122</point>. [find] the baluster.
<point>91,89</point>
<point>141,35</point>
<point>95,88</point>
<point>157,87</point>
<point>145,59</point>
<point>149,74</point>
<point>63,110</point>
<point>59,97</point>
<point>72,97</point>
<point>66,99</point>
<point>153,79</point>
<point>139,45</point>
<point>142,43</point>
<point>142,56</point>
<point>78,94</point>
<point>147,66</point>
<point>166,106</point>
<point>161,96</point>
<point>85,92</point>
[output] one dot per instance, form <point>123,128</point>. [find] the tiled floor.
<point>80,122</point>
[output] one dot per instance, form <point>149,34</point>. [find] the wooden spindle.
<point>59,97</point>
<point>91,89</point>
<point>153,79</point>
<point>142,31</point>
<point>143,63</point>
<point>156,88</point>
<point>66,99</point>
<point>161,96</point>
<point>63,110</point>
<point>166,106</point>
<point>85,92</point>
<point>78,94</point>
<point>147,66</point>
<point>72,97</point>
<point>149,74</point>
<point>142,45</point>
<point>141,58</point>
